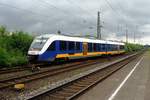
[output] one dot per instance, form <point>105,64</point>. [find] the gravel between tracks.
<point>9,93</point>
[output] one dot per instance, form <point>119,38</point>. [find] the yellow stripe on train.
<point>88,54</point>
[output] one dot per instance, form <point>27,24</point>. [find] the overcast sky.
<point>78,17</point>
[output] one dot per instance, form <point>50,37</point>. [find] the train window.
<point>63,45</point>
<point>71,45</point>
<point>77,45</point>
<point>121,47</point>
<point>99,47</point>
<point>103,46</point>
<point>94,46</point>
<point>52,46</point>
<point>113,47</point>
<point>116,47</point>
<point>109,47</point>
<point>90,47</point>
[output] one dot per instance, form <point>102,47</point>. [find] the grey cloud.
<point>77,16</point>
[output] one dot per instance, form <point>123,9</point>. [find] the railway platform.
<point>132,82</point>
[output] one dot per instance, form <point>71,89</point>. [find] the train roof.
<point>55,37</point>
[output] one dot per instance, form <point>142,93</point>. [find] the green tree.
<point>3,30</point>
<point>129,47</point>
<point>13,48</point>
<point>21,41</point>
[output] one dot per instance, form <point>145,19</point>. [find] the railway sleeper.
<point>75,88</point>
<point>84,83</point>
<point>88,77</point>
<point>45,98</point>
<point>79,85</point>
<point>9,82</point>
<point>51,98</point>
<point>7,85</point>
<point>64,93</point>
<point>19,80</point>
<point>4,85</point>
<point>88,80</point>
<point>70,90</point>
<point>56,96</point>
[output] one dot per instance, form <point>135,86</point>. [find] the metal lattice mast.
<point>98,26</point>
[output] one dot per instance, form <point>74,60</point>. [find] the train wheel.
<point>35,68</point>
<point>31,66</point>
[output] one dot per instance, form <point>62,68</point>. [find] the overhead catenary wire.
<point>66,12</point>
<point>60,10</point>
<point>22,9</point>
<point>53,6</point>
<point>71,2</point>
<point>117,14</point>
<point>31,12</point>
<point>27,10</point>
<point>115,11</point>
<point>83,10</point>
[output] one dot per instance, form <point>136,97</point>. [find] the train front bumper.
<point>32,58</point>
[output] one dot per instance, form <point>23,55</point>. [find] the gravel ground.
<point>8,94</point>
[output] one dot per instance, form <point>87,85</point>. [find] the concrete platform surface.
<point>130,83</point>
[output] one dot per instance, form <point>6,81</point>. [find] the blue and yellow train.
<point>49,47</point>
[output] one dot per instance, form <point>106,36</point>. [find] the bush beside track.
<point>130,47</point>
<point>13,47</point>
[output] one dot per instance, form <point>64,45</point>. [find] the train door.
<point>85,48</point>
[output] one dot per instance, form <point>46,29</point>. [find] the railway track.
<point>11,81</point>
<point>17,69</point>
<point>76,87</point>
<point>28,67</point>
<point>4,71</point>
<point>8,82</point>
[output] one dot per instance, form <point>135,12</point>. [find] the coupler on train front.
<point>33,62</point>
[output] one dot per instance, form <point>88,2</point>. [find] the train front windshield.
<point>38,44</point>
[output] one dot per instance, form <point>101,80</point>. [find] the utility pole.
<point>126,34</point>
<point>98,26</point>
